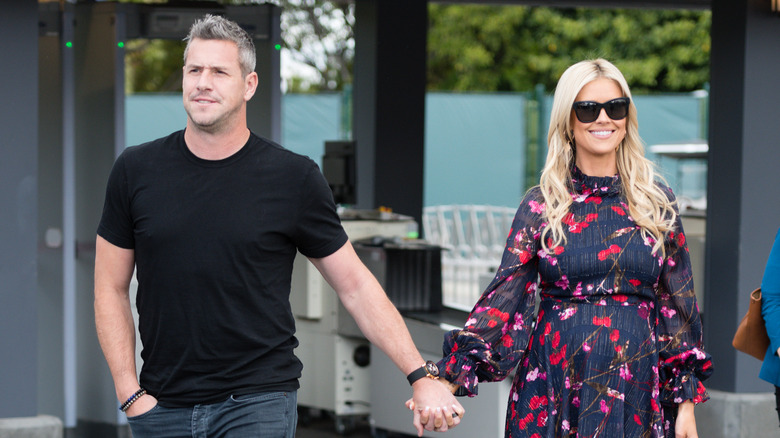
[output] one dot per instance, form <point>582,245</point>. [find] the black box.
<point>408,270</point>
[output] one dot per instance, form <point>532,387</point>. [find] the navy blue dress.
<point>617,340</point>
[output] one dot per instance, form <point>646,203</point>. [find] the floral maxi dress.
<point>617,339</point>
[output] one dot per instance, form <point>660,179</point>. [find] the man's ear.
<point>250,84</point>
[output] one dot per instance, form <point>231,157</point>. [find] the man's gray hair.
<point>215,27</point>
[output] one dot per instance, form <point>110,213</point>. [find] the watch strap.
<point>417,374</point>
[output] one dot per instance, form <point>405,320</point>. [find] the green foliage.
<point>153,65</point>
<point>476,47</point>
<point>513,48</point>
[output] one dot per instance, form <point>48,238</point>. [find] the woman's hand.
<point>438,414</point>
<point>685,426</point>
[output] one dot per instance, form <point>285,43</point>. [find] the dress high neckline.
<point>594,185</point>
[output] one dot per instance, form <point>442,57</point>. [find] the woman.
<point>770,309</point>
<point>616,347</point>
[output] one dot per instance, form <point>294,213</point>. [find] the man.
<point>211,218</point>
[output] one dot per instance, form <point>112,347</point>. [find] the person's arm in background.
<point>114,321</point>
<point>770,293</point>
<point>380,322</point>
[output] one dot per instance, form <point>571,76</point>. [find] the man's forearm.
<point>116,333</point>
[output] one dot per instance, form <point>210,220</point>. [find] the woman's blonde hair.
<point>650,207</point>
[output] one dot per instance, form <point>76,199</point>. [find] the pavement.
<point>316,424</point>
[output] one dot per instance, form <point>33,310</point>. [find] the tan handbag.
<point>751,337</point>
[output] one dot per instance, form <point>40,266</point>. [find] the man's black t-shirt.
<point>214,245</point>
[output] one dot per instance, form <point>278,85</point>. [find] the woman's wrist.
<point>451,386</point>
<point>686,405</point>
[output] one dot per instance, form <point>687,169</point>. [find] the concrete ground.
<point>321,425</point>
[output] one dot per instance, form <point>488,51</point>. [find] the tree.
<point>513,48</point>
<point>476,47</point>
<point>315,33</point>
<point>319,34</point>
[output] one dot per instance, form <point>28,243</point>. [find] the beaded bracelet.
<point>126,405</point>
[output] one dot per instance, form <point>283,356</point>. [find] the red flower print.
<point>497,313</point>
<point>537,401</point>
<point>605,321</point>
<point>614,336</point>
<point>541,420</point>
<point>523,422</point>
<point>524,257</point>
<point>680,239</point>
<point>654,405</point>
<point>635,282</point>
<point>507,341</point>
<point>594,199</point>
<point>637,420</point>
<point>578,227</point>
<point>568,219</point>
<point>591,217</point>
<point>547,329</point>
<point>556,339</point>
<point>620,298</point>
<point>613,249</point>
<point>618,210</point>
<point>555,358</point>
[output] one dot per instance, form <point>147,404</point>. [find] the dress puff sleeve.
<point>497,330</point>
<point>683,364</point>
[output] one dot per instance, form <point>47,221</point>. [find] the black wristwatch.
<point>429,370</point>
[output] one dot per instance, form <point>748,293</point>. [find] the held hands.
<point>434,406</point>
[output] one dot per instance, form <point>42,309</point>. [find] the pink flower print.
<point>667,312</point>
<point>644,311</point>
<point>604,407</point>
<point>532,375</point>
<point>536,207</point>
<point>575,401</point>
<point>565,425</point>
<point>585,347</point>
<point>625,373</point>
<point>563,283</point>
<point>518,324</point>
<point>576,197</point>
<point>568,313</point>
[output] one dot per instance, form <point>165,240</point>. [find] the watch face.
<point>432,369</point>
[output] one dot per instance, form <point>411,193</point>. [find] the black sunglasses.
<point>588,111</point>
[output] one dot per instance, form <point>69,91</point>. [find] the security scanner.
<point>343,374</point>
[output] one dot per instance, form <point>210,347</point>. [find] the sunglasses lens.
<point>617,109</point>
<point>587,112</point>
